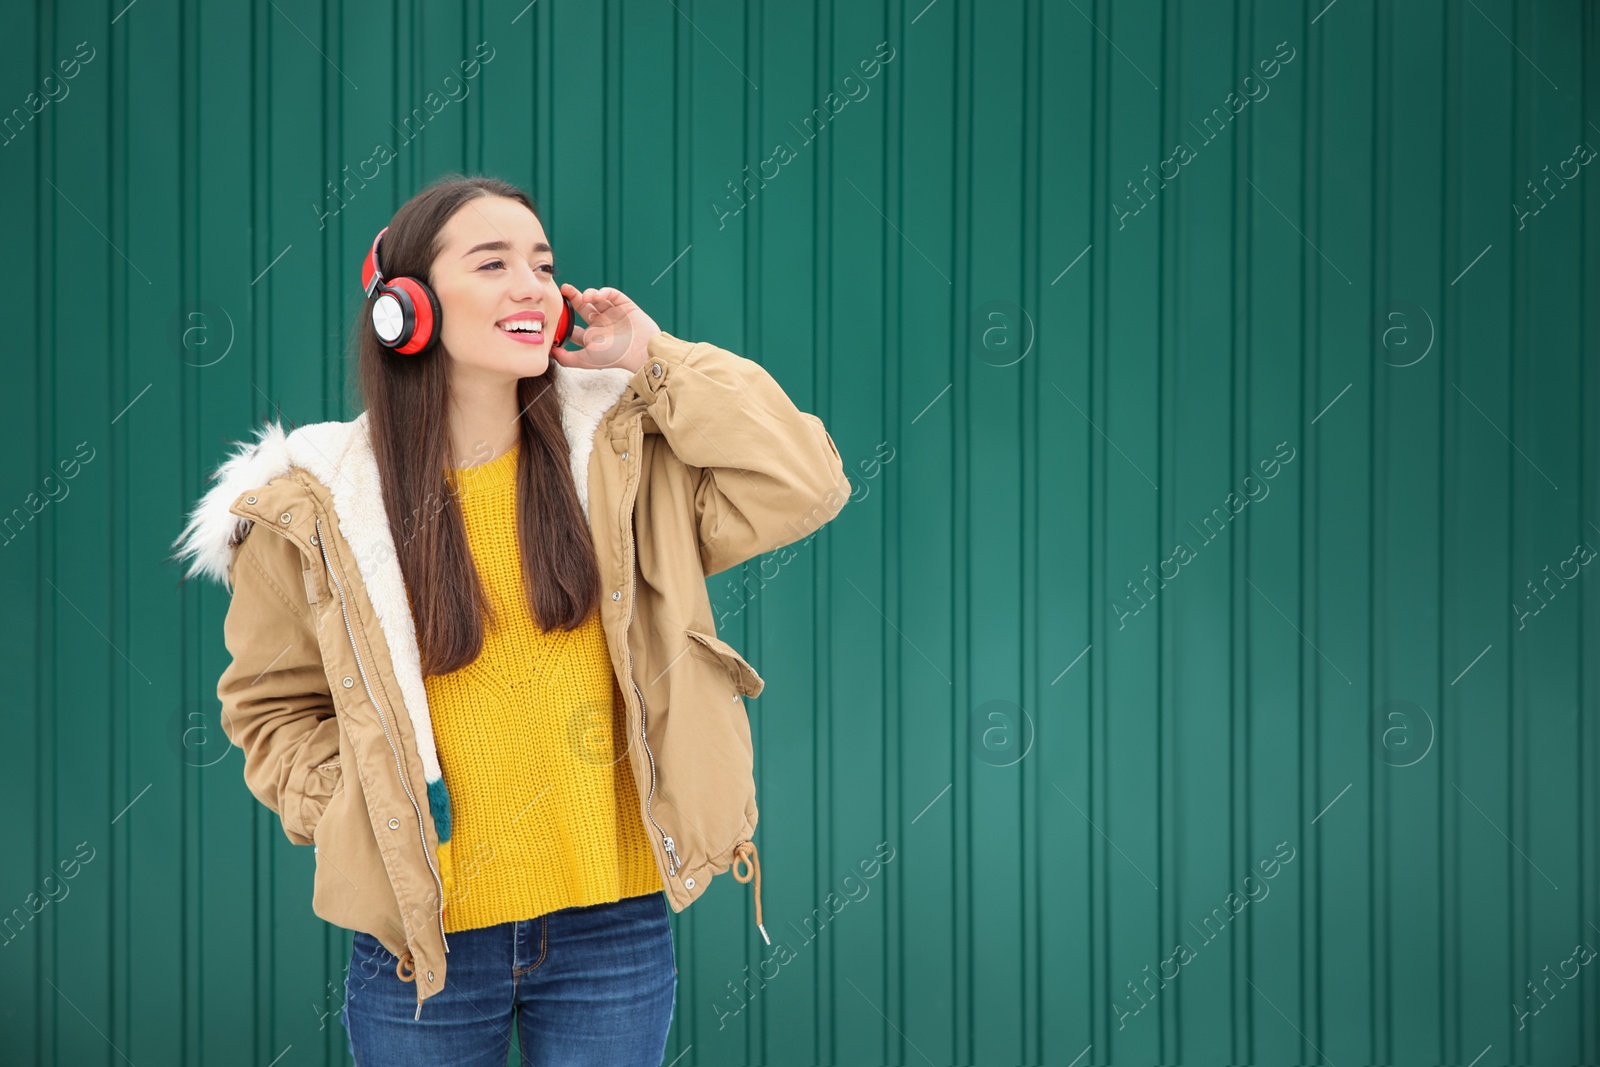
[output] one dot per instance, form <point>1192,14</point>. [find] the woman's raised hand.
<point>617,335</point>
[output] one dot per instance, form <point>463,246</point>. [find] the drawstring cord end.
<point>405,969</point>
<point>745,852</point>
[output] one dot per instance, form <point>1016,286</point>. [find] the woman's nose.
<point>525,282</point>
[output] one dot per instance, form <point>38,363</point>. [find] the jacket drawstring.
<point>745,852</point>
<point>406,970</point>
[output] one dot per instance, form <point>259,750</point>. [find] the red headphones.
<point>405,313</point>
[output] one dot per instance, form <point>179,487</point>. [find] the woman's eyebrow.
<point>501,246</point>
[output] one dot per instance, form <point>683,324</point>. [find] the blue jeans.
<point>584,985</point>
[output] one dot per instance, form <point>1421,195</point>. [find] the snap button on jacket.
<point>693,464</point>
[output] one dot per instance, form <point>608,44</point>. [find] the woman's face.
<point>495,270</point>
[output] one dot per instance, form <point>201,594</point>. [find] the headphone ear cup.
<point>421,312</point>
<point>564,324</point>
<point>391,316</point>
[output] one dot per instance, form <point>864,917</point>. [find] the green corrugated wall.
<point>1210,636</point>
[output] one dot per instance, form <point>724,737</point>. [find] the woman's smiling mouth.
<point>525,327</point>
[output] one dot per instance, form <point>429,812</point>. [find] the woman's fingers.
<point>580,299</point>
<point>595,300</point>
<point>616,298</point>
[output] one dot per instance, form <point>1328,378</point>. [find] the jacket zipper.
<point>673,863</point>
<point>382,719</point>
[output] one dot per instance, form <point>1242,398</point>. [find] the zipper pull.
<point>672,856</point>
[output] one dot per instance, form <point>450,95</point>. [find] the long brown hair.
<point>407,402</point>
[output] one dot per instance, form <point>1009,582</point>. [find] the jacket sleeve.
<point>277,706</point>
<point>770,473</point>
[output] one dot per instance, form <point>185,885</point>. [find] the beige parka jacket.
<point>686,467</point>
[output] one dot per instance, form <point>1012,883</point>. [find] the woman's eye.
<point>551,267</point>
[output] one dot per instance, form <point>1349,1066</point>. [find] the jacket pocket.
<point>744,677</point>
<point>322,786</point>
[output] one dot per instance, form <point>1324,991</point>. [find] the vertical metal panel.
<point>919,500</point>
<point>1051,349</point>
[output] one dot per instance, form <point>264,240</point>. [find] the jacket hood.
<point>340,456</point>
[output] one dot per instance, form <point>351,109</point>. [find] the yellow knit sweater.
<point>533,746</point>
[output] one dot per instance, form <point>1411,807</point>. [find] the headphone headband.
<point>371,275</point>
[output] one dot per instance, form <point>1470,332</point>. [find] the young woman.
<point>474,660</point>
